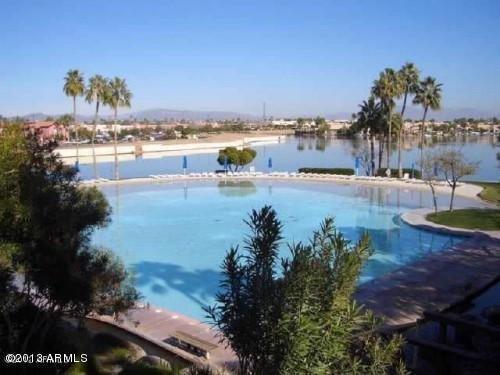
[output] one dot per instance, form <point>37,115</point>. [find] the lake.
<point>295,152</point>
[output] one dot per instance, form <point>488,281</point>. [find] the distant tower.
<point>264,111</point>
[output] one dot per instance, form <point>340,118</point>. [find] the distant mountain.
<point>40,116</point>
<point>158,114</point>
<point>168,114</point>
<point>412,112</point>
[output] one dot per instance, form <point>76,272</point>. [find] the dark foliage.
<point>341,171</point>
<point>300,318</point>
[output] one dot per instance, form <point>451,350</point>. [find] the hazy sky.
<point>301,57</point>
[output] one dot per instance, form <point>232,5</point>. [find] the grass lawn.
<point>470,218</point>
<point>491,192</point>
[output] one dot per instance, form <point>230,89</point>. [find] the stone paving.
<point>434,282</point>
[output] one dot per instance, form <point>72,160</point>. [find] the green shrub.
<point>342,171</point>
<point>395,172</point>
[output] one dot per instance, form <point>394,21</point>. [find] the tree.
<point>301,319</point>
<point>409,78</point>
<point>454,166</point>
<point>74,85</point>
<point>322,125</point>
<point>369,119</point>
<point>97,91</point>
<point>46,223</point>
<point>118,95</point>
<point>236,159</point>
<point>429,173</point>
<point>428,95</point>
<point>387,88</point>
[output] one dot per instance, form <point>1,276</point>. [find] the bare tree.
<point>429,169</point>
<point>454,166</point>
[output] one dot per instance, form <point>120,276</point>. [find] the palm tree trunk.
<point>389,140</point>
<point>76,126</point>
<point>93,137</point>
<point>422,131</point>
<point>380,150</point>
<point>400,162</point>
<point>115,145</point>
<point>372,154</point>
<point>400,132</point>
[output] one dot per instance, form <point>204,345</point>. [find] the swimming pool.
<point>174,235</point>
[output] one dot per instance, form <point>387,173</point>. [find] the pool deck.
<point>434,282</point>
<point>463,189</point>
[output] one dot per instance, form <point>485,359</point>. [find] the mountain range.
<point>177,115</point>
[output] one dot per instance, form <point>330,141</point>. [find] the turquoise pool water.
<point>175,235</point>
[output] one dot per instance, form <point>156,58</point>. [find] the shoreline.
<point>464,189</point>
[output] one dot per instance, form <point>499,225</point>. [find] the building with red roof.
<point>47,130</point>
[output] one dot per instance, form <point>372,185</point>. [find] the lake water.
<point>174,235</point>
<point>296,152</point>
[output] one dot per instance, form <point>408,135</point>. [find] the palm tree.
<point>409,78</point>
<point>96,92</point>
<point>74,85</point>
<point>117,95</point>
<point>369,118</point>
<point>428,95</point>
<point>387,88</point>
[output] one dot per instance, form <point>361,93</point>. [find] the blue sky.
<point>301,57</point>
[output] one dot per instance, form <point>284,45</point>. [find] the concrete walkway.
<point>159,324</point>
<point>434,282</point>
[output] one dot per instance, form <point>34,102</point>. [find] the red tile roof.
<point>41,124</point>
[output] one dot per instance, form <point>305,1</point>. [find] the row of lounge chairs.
<point>206,175</point>
<point>96,181</point>
<point>295,175</point>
